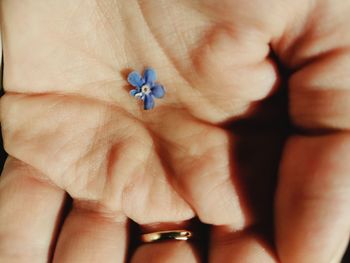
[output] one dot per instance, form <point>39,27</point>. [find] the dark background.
<point>346,258</point>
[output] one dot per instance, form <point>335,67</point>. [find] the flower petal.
<point>133,92</point>
<point>158,90</point>
<point>149,102</point>
<point>150,75</point>
<point>135,79</point>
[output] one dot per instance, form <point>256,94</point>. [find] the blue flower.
<point>146,88</point>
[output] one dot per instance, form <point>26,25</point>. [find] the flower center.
<point>146,89</point>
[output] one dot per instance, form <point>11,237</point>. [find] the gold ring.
<point>167,235</point>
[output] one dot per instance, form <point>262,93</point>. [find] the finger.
<point>243,246</point>
<point>320,94</point>
<point>167,252</point>
<point>92,235</point>
<point>30,213</point>
<point>312,208</point>
<point>172,251</point>
<point>312,203</point>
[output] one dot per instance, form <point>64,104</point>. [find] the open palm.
<point>211,147</point>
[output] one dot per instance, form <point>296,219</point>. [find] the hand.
<point>210,149</point>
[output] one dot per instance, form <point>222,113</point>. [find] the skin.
<point>257,150</point>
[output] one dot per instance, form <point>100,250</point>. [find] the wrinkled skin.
<point>258,150</point>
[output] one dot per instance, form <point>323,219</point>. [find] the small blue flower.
<point>146,88</point>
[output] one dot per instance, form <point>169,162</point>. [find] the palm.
<point>191,156</point>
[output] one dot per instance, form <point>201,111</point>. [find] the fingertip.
<point>312,202</point>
